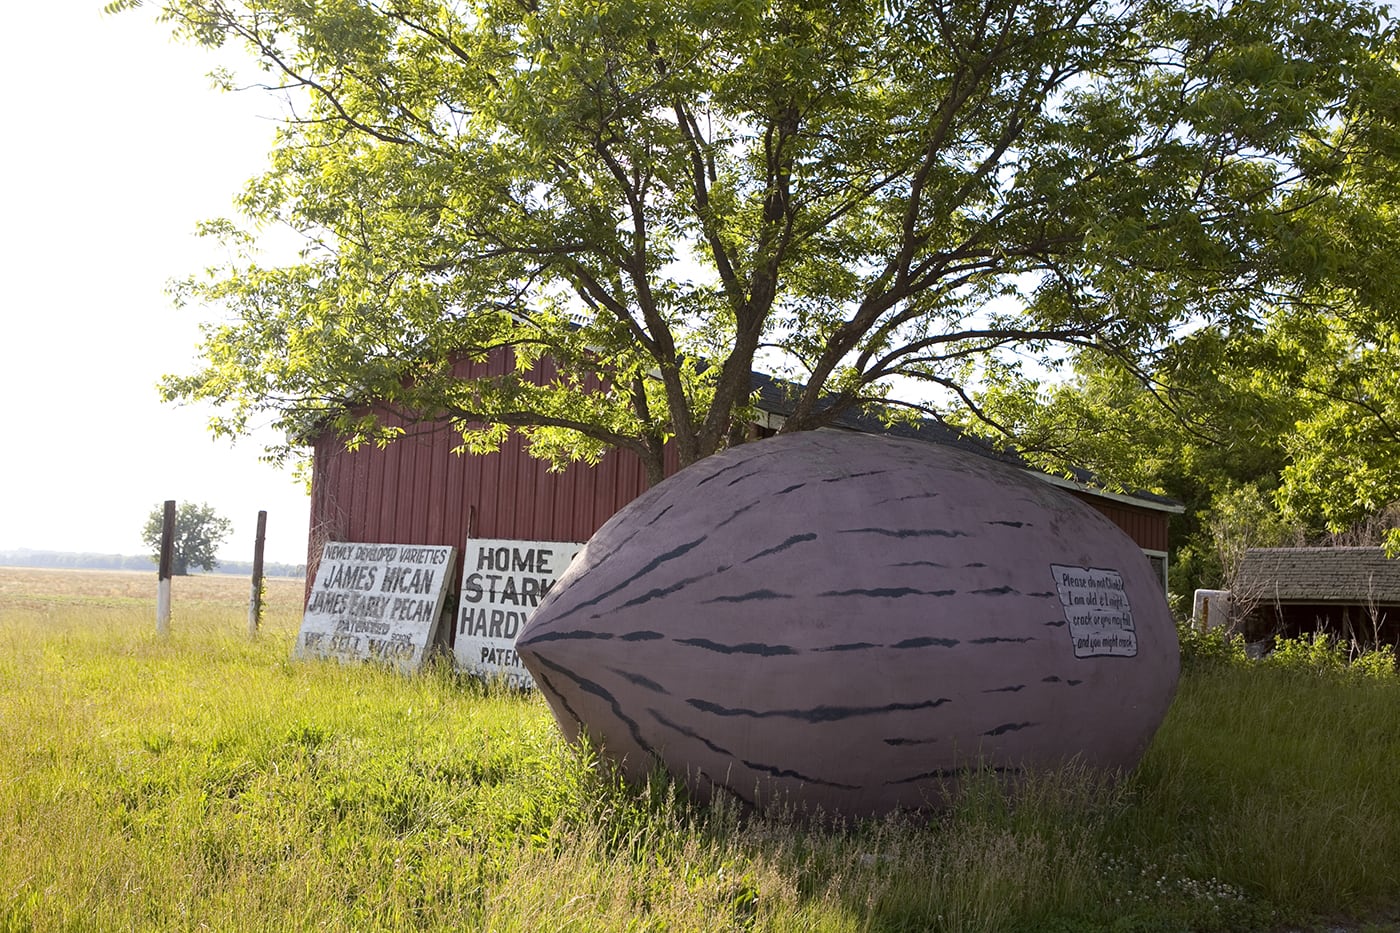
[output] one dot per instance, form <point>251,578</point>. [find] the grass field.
<point>205,781</point>
<point>54,593</point>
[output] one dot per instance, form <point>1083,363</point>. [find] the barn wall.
<point>1146,527</point>
<point>416,491</point>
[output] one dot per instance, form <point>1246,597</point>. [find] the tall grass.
<point>206,781</point>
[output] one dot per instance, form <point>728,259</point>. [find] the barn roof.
<point>776,396</point>
<point>1358,575</point>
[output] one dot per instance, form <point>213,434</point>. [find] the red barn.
<point>417,491</point>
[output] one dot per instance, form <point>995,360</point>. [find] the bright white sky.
<point>115,146</point>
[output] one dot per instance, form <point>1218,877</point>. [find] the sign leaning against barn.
<point>502,583</point>
<point>376,602</point>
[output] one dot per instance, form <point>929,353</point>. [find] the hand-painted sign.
<point>375,602</point>
<point>1096,607</point>
<point>502,583</point>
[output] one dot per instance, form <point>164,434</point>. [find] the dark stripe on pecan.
<point>926,641</point>
<point>746,597</point>
<point>795,539</point>
<point>678,551</point>
<point>889,592</point>
<point>574,635</point>
<point>659,592</point>
<point>640,680</point>
<point>850,646</point>
<point>789,773</point>
<point>598,690</point>
<point>642,635</point>
<point>1010,727</point>
<point>749,647</point>
<point>815,714</point>
<point>842,479</point>
<point>945,773</point>
<point>690,734</point>
<point>905,532</point>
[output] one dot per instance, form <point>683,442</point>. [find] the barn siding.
<point>362,495</point>
<point>416,491</point>
<point>1146,527</point>
<point>358,495</point>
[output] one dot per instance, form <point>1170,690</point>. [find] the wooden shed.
<point>417,491</point>
<point>1351,592</point>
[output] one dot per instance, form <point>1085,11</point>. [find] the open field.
<point>205,781</point>
<point>53,593</point>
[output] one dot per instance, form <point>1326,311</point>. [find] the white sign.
<point>375,602</point>
<point>1096,607</point>
<point>502,583</point>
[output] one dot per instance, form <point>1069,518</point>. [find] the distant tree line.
<point>24,557</point>
<point>245,568</point>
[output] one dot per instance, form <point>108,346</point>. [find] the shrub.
<point>1324,655</point>
<point>1318,653</point>
<point>1376,665</point>
<point>1216,646</point>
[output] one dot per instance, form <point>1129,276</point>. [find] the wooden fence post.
<point>167,555</point>
<point>255,599</point>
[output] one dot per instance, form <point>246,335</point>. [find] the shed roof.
<point>1358,575</point>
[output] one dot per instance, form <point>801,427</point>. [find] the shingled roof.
<point>1358,575</point>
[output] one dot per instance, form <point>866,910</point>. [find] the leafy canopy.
<point>199,531</point>
<point>1280,427</point>
<point>1285,433</point>
<point>642,199</point>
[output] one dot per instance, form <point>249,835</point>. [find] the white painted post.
<point>167,558</point>
<point>255,599</point>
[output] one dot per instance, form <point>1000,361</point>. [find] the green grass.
<point>206,781</point>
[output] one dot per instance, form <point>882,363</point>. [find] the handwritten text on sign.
<point>375,602</point>
<point>502,583</point>
<point>1096,607</point>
